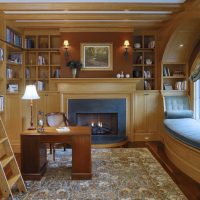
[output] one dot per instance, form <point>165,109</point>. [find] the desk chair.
<point>56,119</point>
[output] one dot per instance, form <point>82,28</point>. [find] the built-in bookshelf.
<point>144,61</point>
<point>13,37</point>
<point>174,76</point>
<point>42,59</point>
<point>2,77</point>
<point>14,69</point>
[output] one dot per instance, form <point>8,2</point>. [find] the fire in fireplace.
<point>101,123</point>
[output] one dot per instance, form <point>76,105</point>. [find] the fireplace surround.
<point>101,88</point>
<point>99,108</point>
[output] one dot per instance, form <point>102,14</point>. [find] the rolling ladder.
<point>7,159</point>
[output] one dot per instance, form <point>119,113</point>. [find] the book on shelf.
<point>181,85</point>
<point>13,37</point>
<point>29,43</point>
<point>41,60</point>
<point>167,86</point>
<point>1,103</point>
<point>40,85</point>
<point>1,54</point>
<point>10,73</point>
<point>27,73</point>
<point>178,73</point>
<point>147,85</point>
<point>166,71</point>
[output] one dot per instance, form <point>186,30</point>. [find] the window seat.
<point>186,130</point>
<point>181,135</point>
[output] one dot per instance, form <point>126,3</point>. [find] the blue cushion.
<point>186,130</point>
<point>174,103</point>
<point>179,114</point>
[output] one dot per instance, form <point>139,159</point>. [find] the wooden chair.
<point>56,119</point>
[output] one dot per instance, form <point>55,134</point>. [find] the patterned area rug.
<point>118,174</point>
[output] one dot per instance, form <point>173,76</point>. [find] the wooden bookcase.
<point>42,59</point>
<point>2,77</point>
<point>174,76</point>
<point>14,69</point>
<point>144,62</point>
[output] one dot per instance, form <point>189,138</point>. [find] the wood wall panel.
<point>119,61</point>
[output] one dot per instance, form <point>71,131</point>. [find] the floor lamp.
<point>31,94</point>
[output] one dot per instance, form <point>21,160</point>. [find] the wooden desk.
<point>34,153</point>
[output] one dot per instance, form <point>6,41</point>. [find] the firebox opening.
<point>101,123</point>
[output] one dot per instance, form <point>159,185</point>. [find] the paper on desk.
<point>63,129</point>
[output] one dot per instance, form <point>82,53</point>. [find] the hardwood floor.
<point>188,186</point>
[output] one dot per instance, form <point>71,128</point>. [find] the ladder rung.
<point>13,180</point>
<point>3,140</point>
<point>6,160</point>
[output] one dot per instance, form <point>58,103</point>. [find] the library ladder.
<point>7,160</point>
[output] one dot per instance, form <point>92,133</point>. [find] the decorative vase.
<point>74,72</point>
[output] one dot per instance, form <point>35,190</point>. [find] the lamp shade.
<point>126,43</point>
<point>66,43</point>
<point>30,92</point>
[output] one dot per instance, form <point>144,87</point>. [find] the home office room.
<point>100,99</point>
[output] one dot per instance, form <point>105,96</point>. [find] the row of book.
<point>179,85</point>
<point>29,43</point>
<point>10,73</point>
<point>1,103</point>
<point>41,85</point>
<point>167,72</point>
<point>13,38</point>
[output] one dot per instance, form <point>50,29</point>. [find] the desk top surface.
<point>74,130</point>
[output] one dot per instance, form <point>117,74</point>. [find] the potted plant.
<point>75,66</point>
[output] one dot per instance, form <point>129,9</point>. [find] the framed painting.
<point>97,56</point>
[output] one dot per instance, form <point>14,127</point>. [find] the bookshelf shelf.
<point>42,59</point>
<point>144,61</point>
<point>174,76</point>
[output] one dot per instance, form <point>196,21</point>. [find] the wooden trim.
<point>92,29</point>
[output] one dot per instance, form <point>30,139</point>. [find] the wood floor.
<point>188,186</point>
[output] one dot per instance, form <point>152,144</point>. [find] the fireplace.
<point>101,123</point>
<point>107,117</point>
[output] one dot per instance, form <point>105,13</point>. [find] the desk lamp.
<point>31,94</point>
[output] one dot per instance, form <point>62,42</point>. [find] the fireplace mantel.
<point>96,85</point>
<point>100,88</point>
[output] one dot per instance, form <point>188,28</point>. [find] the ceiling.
<point>130,14</point>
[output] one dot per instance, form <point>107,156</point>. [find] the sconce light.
<point>66,46</point>
<point>126,44</point>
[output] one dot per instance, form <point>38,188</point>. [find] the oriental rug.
<point>118,174</point>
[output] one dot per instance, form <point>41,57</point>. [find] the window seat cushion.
<point>186,130</point>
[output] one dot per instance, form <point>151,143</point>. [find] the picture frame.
<point>97,56</point>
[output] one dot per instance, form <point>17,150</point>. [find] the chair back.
<point>56,119</point>
<point>177,107</point>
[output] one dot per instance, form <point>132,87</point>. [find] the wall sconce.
<point>66,46</point>
<point>126,44</point>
